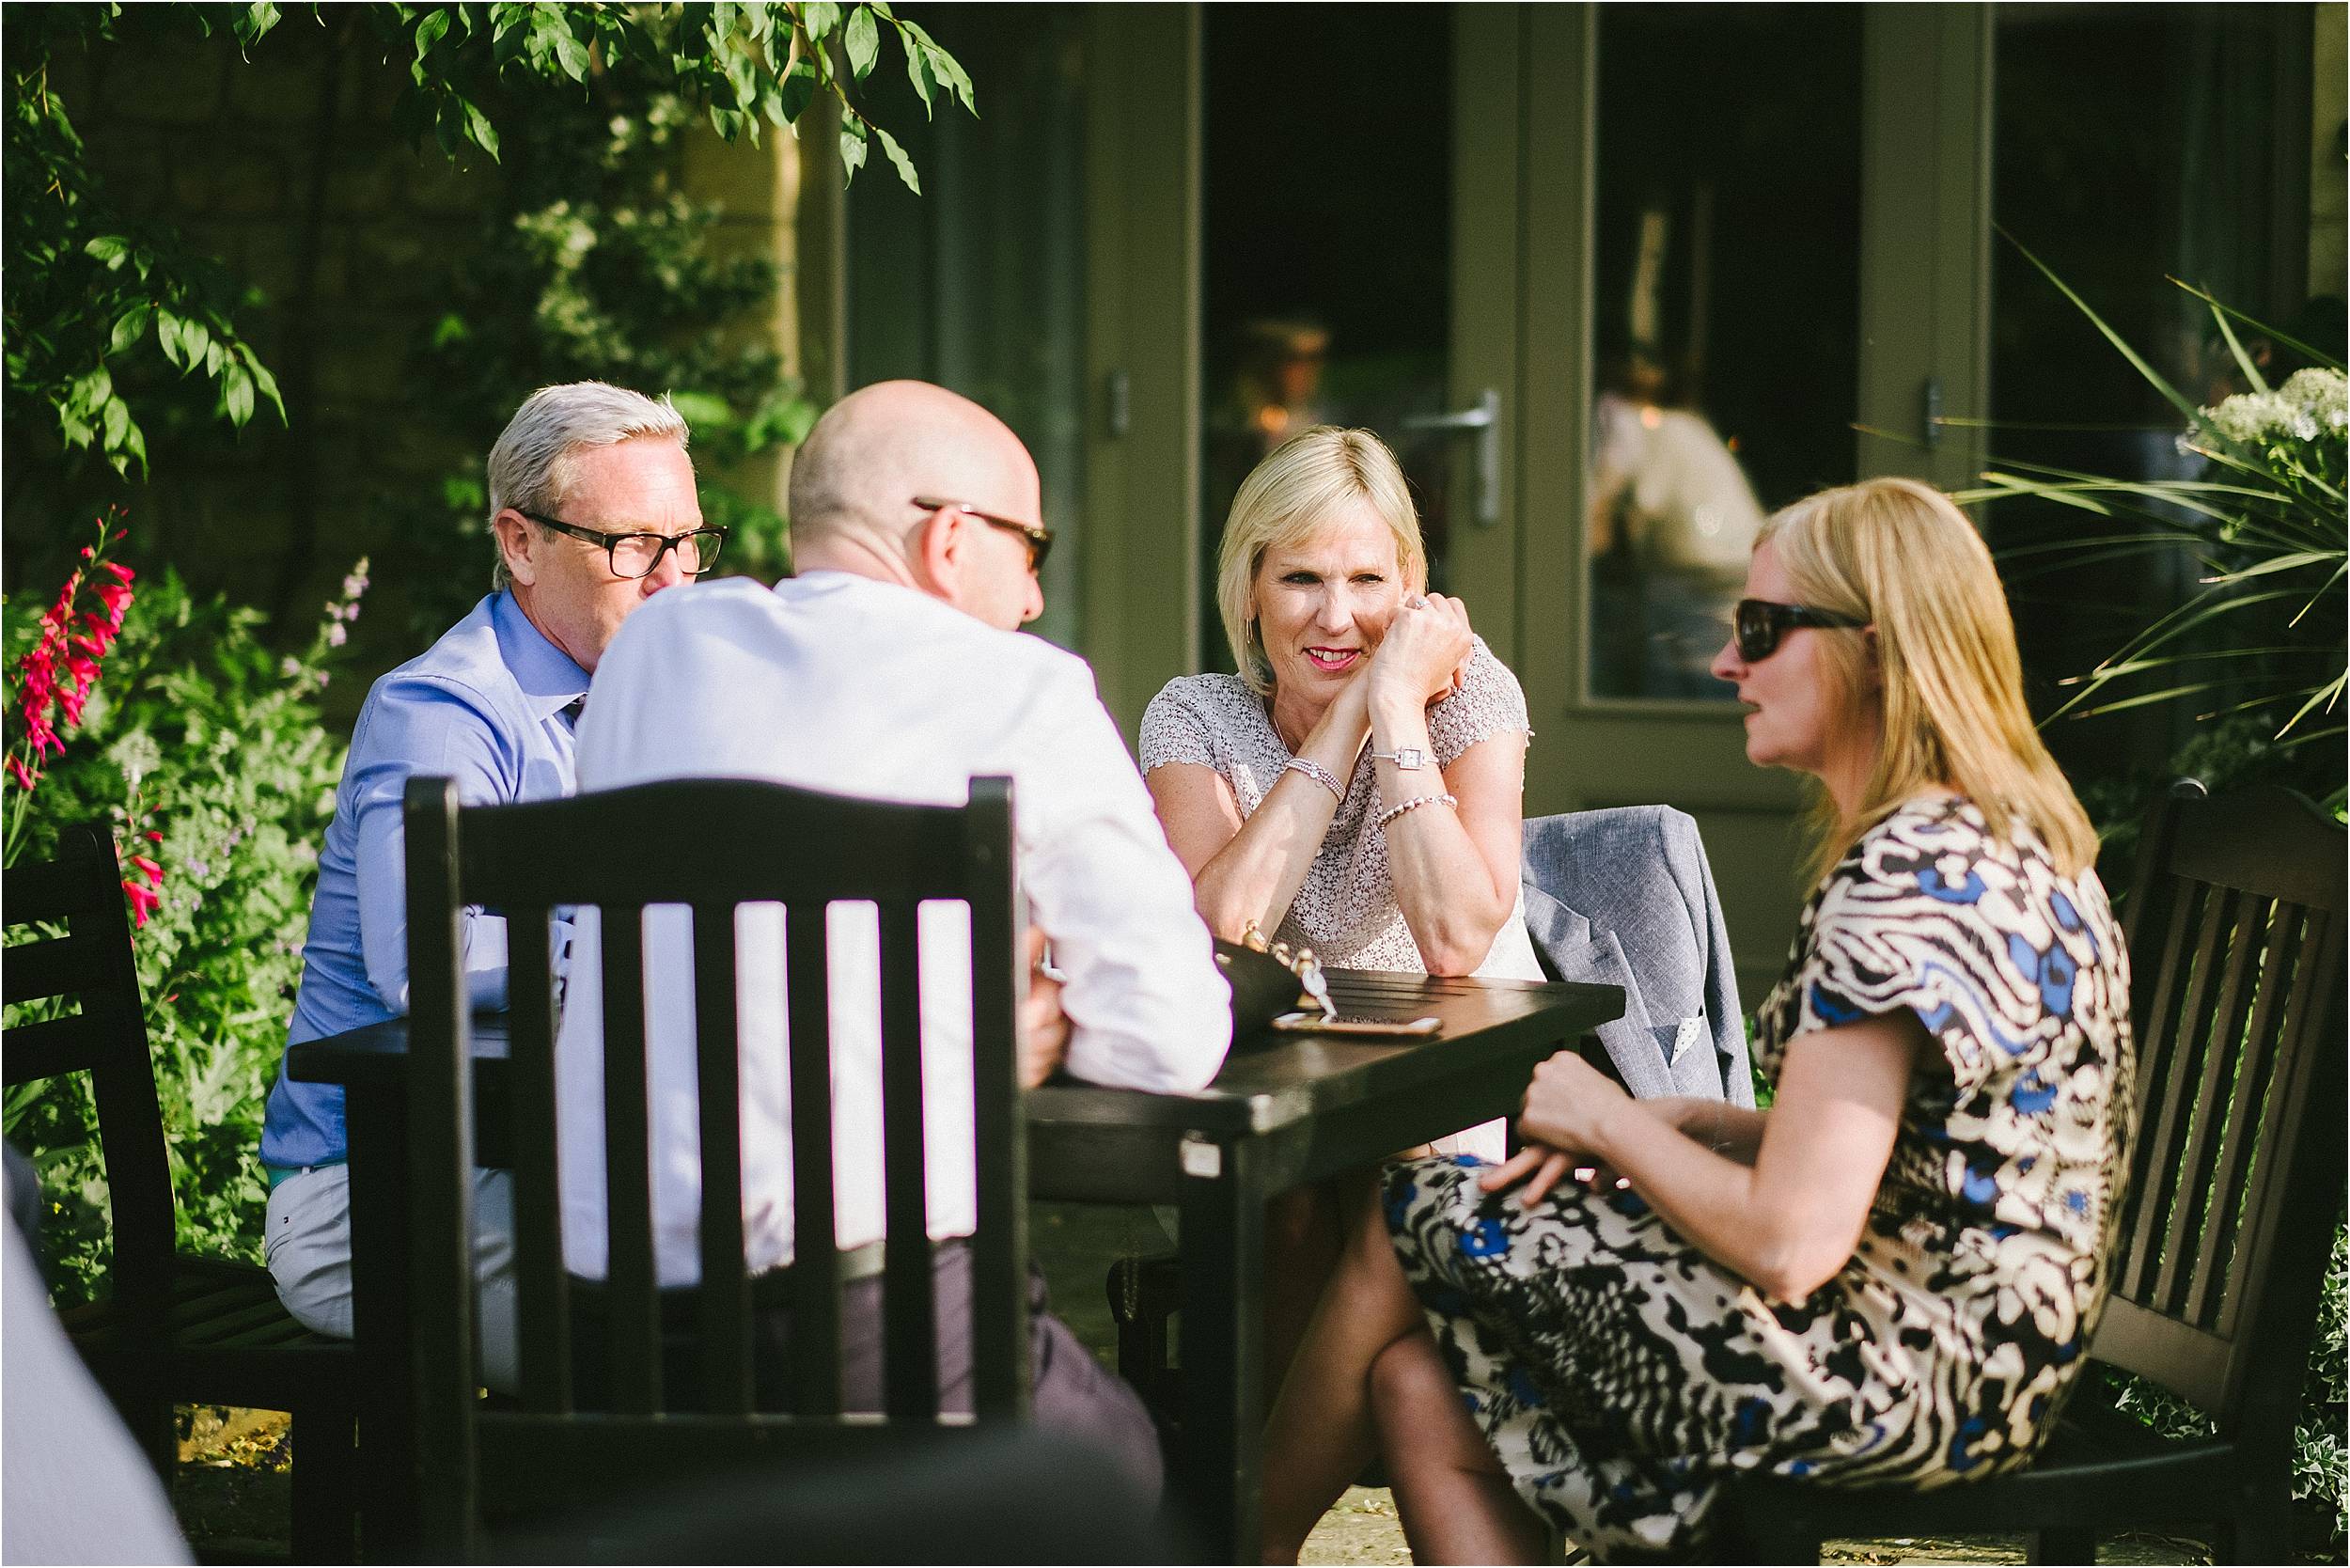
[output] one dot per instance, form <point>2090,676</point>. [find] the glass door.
<point>1296,213</point>
<point>1325,249</point>
<point>1725,316</point>
<point>1693,338</point>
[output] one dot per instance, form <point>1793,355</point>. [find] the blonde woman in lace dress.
<point>1356,787</point>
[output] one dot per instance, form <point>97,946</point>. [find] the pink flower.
<point>143,900</point>
<point>55,676</point>
<point>144,886</point>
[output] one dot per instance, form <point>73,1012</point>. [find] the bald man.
<point>891,667</point>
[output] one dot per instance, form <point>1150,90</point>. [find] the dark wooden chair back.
<point>96,1025</point>
<point>2236,942</point>
<point>709,845</point>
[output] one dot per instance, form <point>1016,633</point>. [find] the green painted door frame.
<point>1142,351</point>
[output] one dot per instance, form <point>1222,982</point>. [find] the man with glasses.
<point>888,668</point>
<point>592,512</point>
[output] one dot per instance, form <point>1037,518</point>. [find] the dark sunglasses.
<point>1039,539</point>
<point>1758,624</point>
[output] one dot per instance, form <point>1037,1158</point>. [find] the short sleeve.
<point>1174,730</point>
<point>1490,702</point>
<point>1890,941</point>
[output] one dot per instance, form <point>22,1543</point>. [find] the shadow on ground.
<point>233,1491</point>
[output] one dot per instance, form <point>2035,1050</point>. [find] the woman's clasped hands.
<point>1422,651</point>
<point>1570,1109</point>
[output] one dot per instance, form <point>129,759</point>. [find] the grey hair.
<point>530,465</point>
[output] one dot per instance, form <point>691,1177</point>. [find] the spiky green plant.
<point>2265,632</point>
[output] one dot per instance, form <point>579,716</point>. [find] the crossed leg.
<point>1368,1367</point>
<point>1455,1499</point>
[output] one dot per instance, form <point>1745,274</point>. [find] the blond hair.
<point>1900,556</point>
<point>1290,496</point>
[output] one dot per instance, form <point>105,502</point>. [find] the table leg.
<point>376,1128</point>
<point>1223,1348</point>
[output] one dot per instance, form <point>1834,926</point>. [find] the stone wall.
<point>286,168</point>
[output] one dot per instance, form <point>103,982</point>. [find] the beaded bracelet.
<point>1413,805</point>
<point>1316,772</point>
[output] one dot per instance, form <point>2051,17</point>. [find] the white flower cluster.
<point>2314,402</point>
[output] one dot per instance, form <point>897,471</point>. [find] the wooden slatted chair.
<point>710,845</point>
<point>175,1329</point>
<point>2236,942</point>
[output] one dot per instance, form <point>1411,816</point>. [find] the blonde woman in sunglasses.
<point>1892,1273</point>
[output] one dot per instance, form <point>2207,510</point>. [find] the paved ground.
<point>1363,1530</point>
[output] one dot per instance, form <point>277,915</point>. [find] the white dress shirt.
<point>842,683</point>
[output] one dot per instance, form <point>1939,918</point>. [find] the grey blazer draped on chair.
<point>1625,897</point>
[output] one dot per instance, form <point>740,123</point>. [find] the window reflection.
<point>1672,519</point>
<point>1326,269</point>
<point>1725,310</point>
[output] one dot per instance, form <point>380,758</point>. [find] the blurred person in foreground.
<point>77,1487</point>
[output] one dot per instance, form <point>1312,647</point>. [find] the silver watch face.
<point>1410,759</point>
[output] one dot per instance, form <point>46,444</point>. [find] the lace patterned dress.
<point>1345,910</point>
<point>1619,1373</point>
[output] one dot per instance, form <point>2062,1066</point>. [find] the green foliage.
<point>2321,1458</point>
<point>594,264</point>
<point>95,300</point>
<point>89,292</point>
<point>199,734</point>
<point>2230,750</point>
<point>2265,633</point>
<point>744,62</point>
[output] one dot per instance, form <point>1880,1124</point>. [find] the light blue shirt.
<point>483,706</point>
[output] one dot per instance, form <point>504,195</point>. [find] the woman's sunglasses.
<point>1758,624</point>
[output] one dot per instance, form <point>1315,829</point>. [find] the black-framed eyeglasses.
<point>639,554</point>
<point>1039,539</point>
<point>1758,624</point>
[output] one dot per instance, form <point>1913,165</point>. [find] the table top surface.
<point>1269,1080</point>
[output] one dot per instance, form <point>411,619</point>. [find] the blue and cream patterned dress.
<point>1619,1372</point>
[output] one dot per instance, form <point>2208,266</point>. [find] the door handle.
<point>1117,405</point>
<point>1486,421</point>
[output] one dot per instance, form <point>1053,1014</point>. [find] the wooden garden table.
<point>1285,1110</point>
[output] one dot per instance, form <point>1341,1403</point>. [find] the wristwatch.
<point>1408,757</point>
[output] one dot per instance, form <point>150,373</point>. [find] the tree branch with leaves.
<point>87,287</point>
